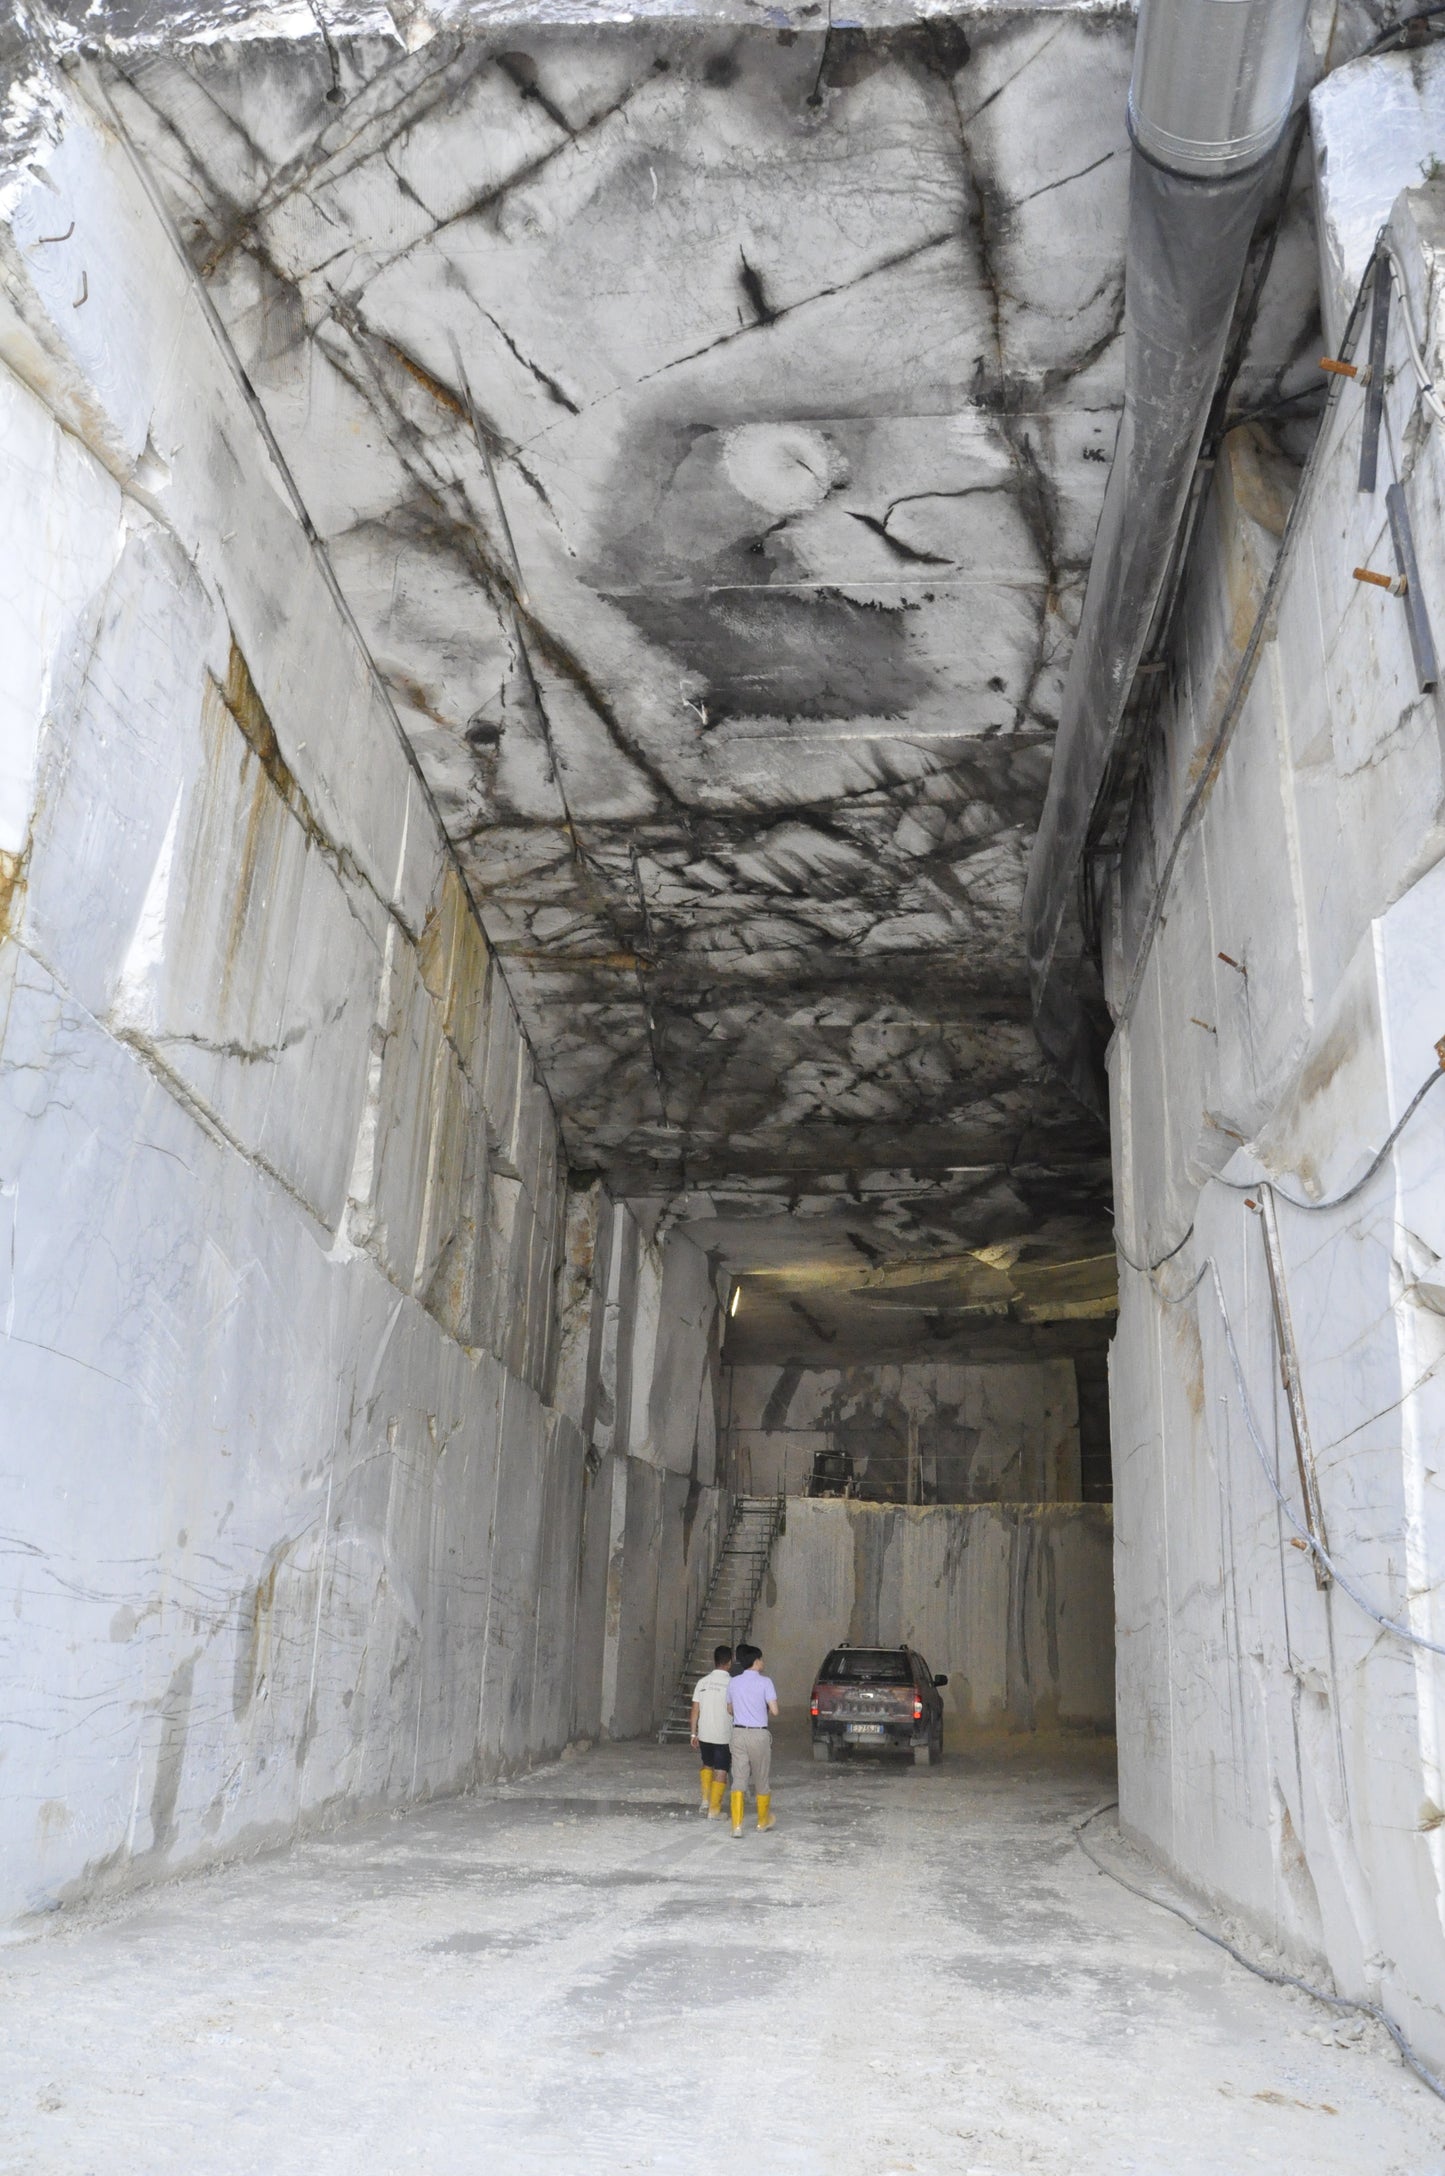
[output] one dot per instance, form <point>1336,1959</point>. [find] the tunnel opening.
<point>929,1429</point>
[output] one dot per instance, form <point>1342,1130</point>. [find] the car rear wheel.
<point>822,1749</point>
<point>935,1750</point>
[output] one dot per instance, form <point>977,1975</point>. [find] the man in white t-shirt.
<point>712,1731</point>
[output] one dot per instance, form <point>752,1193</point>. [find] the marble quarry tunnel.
<point>722,843</point>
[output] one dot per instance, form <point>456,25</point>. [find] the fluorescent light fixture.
<point>733,1302</point>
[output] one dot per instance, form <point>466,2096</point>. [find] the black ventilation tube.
<point>1213,84</point>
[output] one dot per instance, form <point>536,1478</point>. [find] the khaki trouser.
<point>752,1760</point>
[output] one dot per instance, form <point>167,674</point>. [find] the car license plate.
<point>865,1730</point>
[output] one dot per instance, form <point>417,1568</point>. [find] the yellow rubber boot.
<point>719,1793</point>
<point>737,1807</point>
<point>705,1779</point>
<point>765,1809</point>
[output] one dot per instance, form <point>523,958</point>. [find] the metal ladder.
<point>731,1598</point>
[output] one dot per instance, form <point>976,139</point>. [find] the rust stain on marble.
<point>12,889</point>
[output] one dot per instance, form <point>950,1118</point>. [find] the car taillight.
<point>815,1704</point>
<point>917,1708</point>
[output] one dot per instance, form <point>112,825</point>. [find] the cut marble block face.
<point>708,423</point>
<point>919,1432</point>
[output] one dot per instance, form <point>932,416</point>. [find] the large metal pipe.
<point>1213,82</point>
<point>1212,88</point>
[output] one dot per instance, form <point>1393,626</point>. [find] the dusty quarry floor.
<point>917,1971</point>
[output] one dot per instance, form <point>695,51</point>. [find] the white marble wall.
<point>1276,1743</point>
<point>1012,1602</point>
<point>301,1347</point>
<point>973,1434</point>
<point>644,1345</point>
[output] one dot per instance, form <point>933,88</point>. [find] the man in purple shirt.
<point>752,1698</point>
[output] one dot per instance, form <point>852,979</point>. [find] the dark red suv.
<point>878,1700</point>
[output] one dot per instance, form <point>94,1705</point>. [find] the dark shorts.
<point>717,1757</point>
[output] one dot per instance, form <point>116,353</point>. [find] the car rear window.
<point>875,1665</point>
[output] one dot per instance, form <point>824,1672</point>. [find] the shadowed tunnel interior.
<point>721,821</point>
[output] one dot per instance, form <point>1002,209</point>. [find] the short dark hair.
<point>720,1655</point>
<point>748,1655</point>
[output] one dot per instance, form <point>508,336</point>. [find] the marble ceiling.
<point>707,417</point>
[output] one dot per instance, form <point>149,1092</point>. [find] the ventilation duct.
<point>1212,88</point>
<point>1213,82</point>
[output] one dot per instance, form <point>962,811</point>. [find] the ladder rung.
<point>731,1595</point>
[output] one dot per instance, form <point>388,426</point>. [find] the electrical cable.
<point>1221,421</point>
<point>1426,383</point>
<point>1243,679</point>
<point>1337,1201</point>
<point>1253,1186</point>
<point>1400,29</point>
<point>1436,405</point>
<point>1209,1266</point>
<point>1244,674</point>
<point>1307,1540</point>
<point>1393,1625</point>
<point>1147,1269</point>
<point>1260,1971</point>
<point>1399,1630</point>
<point>1177,1299</point>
